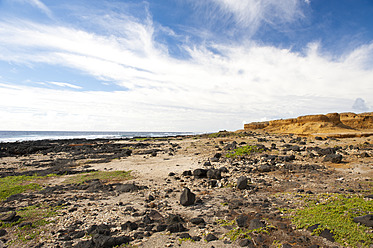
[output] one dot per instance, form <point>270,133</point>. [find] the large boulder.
<point>187,198</point>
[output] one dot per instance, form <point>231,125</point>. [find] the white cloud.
<point>253,13</point>
<point>37,4</point>
<point>208,92</point>
<point>68,85</point>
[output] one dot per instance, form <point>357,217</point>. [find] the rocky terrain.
<point>332,125</point>
<point>244,189</point>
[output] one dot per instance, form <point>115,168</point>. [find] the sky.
<point>181,65</point>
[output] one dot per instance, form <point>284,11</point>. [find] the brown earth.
<point>333,125</point>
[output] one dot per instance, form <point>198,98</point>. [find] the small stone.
<point>255,224</point>
<point>242,182</point>
<point>211,237</point>
<point>242,220</point>
<point>246,243</point>
<point>8,216</point>
<point>197,221</point>
<point>328,235</point>
<point>365,220</point>
<point>2,232</point>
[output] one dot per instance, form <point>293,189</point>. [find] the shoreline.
<point>84,183</point>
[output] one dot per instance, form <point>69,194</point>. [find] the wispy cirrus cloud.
<point>37,4</point>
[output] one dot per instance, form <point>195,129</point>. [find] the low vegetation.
<point>34,218</point>
<point>243,233</point>
<point>12,185</point>
<point>244,150</point>
<point>335,212</point>
<point>101,175</point>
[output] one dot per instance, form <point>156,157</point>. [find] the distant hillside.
<point>340,125</point>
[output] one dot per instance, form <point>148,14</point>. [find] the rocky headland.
<point>240,189</point>
<point>333,124</point>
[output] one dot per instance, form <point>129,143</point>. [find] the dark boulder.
<point>200,173</point>
<point>334,158</point>
<point>214,174</point>
<point>187,198</point>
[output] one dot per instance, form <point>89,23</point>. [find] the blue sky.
<point>181,65</point>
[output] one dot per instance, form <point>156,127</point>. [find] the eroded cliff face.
<point>314,124</point>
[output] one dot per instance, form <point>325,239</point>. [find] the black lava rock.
<point>242,182</point>
<point>214,174</point>
<point>365,220</point>
<point>200,173</point>
<point>334,158</point>
<point>211,237</point>
<point>242,220</point>
<point>255,224</point>
<point>187,198</point>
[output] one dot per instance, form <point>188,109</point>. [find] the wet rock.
<point>211,237</point>
<point>365,220</point>
<point>242,182</point>
<point>187,198</point>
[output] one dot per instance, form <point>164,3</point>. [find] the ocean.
<point>14,136</point>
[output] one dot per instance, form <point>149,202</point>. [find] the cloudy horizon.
<point>184,65</point>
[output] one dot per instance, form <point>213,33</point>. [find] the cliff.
<point>333,123</point>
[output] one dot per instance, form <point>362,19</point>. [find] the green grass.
<point>244,150</point>
<point>242,233</point>
<point>36,214</point>
<point>186,239</point>
<point>336,212</point>
<point>12,185</point>
<point>101,175</point>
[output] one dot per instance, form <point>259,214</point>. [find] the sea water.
<point>14,136</point>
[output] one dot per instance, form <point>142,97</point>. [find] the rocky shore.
<point>225,189</point>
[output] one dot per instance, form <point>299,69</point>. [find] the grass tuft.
<point>244,150</point>
<point>101,175</point>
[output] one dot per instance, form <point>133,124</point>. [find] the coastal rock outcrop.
<point>332,123</point>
